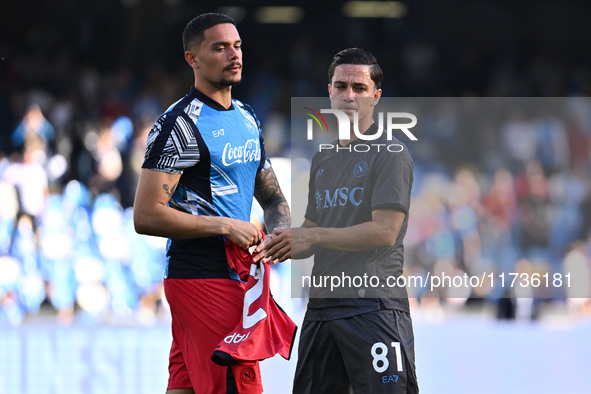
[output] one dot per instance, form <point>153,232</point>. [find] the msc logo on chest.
<point>339,197</point>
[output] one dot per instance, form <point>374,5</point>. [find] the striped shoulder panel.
<point>172,146</point>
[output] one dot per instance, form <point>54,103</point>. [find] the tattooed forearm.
<point>269,195</point>
<point>266,186</point>
<point>279,217</point>
<point>169,190</point>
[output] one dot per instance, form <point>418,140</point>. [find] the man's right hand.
<point>277,246</point>
<point>243,234</point>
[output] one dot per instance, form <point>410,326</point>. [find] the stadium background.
<point>81,83</point>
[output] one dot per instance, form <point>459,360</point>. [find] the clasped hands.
<point>281,244</point>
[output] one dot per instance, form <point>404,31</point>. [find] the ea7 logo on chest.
<point>218,133</point>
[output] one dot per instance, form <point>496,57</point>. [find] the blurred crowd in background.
<point>81,90</point>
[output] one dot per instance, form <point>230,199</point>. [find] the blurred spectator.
<point>34,126</point>
<point>520,140</point>
<point>107,156</point>
<point>499,207</point>
<point>535,210</point>
<point>27,173</point>
<point>552,146</point>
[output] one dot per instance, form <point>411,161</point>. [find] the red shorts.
<point>203,312</point>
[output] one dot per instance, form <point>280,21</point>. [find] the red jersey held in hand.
<point>264,329</point>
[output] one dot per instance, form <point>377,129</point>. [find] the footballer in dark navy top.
<point>345,187</point>
<point>357,336</point>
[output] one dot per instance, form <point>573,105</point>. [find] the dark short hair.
<point>357,56</point>
<point>193,32</point>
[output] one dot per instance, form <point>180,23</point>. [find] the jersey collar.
<point>209,101</point>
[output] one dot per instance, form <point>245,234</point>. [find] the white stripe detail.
<point>221,190</point>
<point>224,193</point>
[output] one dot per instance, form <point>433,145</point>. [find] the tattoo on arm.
<point>169,190</point>
<point>269,195</point>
